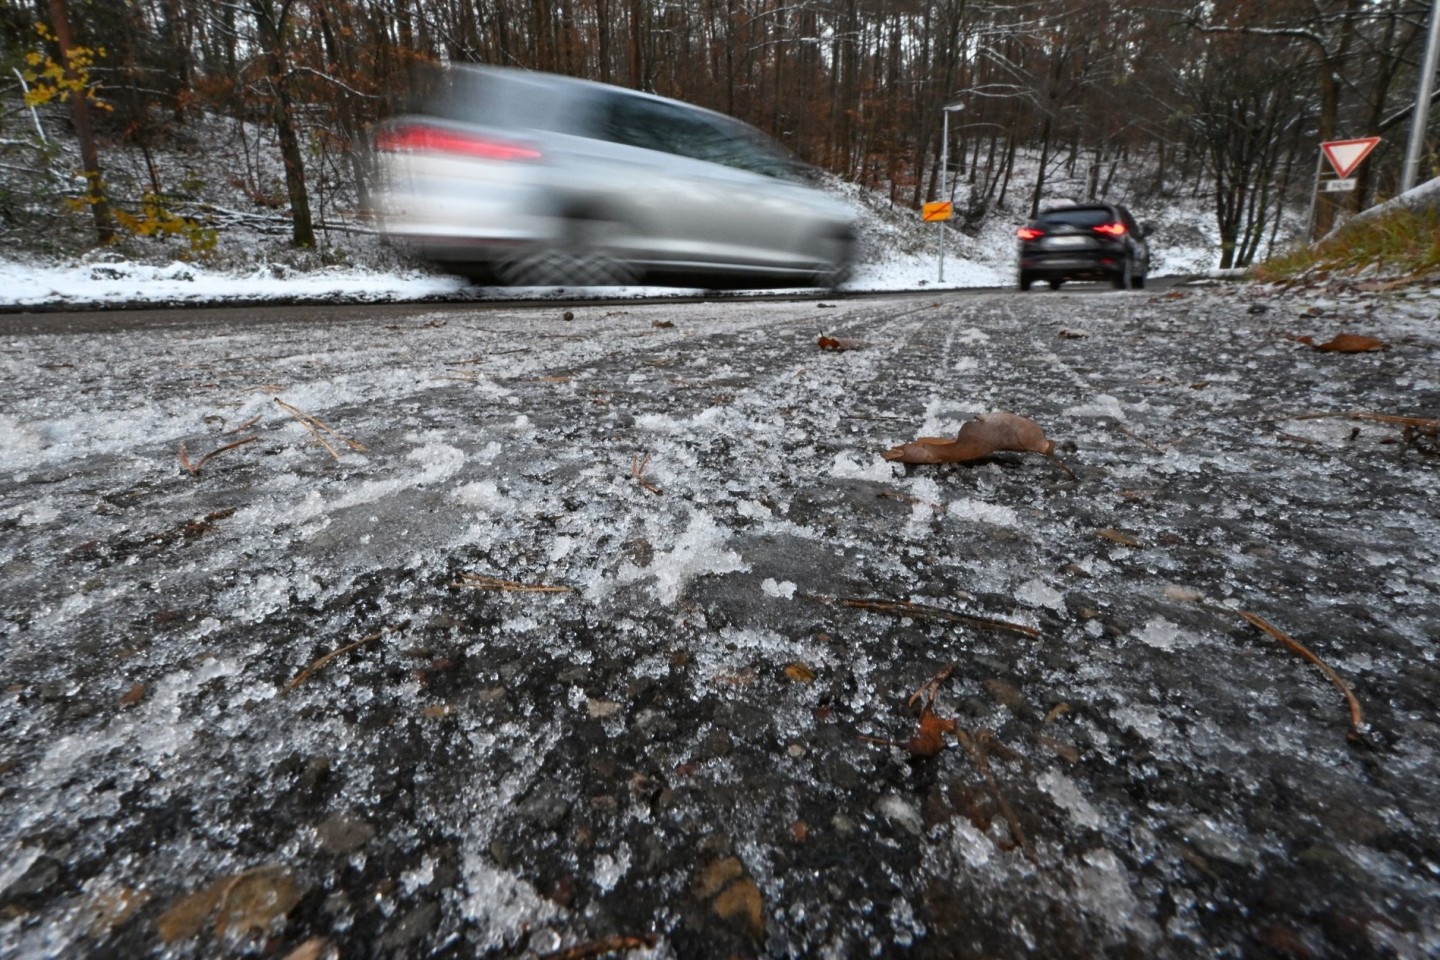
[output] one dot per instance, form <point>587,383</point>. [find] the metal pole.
<point>1422,102</point>
<point>1314,195</point>
<point>944,163</point>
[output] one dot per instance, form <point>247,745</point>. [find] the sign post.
<point>1345,157</point>
<point>948,211</point>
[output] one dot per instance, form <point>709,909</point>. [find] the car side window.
<point>654,125</point>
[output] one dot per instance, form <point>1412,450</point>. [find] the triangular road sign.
<point>1345,155</point>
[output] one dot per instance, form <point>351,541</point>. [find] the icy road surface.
<point>276,707</point>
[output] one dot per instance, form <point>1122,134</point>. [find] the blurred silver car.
<point>527,178</point>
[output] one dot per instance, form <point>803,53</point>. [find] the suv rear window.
<point>1080,216</point>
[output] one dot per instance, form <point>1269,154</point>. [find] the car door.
<point>695,191</point>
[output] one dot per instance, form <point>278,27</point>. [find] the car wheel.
<point>583,257</point>
<point>837,262</point>
<point>1026,281</point>
<point>1126,277</point>
<point>1055,284</point>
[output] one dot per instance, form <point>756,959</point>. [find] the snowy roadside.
<point>105,282</point>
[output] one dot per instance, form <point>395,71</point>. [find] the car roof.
<point>538,80</point>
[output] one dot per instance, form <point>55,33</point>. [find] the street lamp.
<point>945,112</point>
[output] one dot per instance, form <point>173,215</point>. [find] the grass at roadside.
<point>1402,243</point>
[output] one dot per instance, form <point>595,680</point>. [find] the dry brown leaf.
<point>1346,343</point>
<point>105,910</point>
<point>741,902</point>
<point>716,875</point>
<point>255,899</point>
<point>187,916</point>
<point>979,438</point>
<point>1118,536</point>
<point>929,739</point>
<point>799,672</point>
<point>312,949</point>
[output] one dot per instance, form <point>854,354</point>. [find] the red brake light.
<point>436,140</point>
<point>1029,233</point>
<point>1116,229</point>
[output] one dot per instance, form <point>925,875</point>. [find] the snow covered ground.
<point>584,634</point>
<point>112,281</point>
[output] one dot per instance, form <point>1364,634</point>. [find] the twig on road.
<point>194,468</point>
<point>478,581</point>
<point>321,661</point>
<point>978,746</point>
<point>904,608</point>
<point>315,426</point>
<point>637,470</point>
<point>1358,727</point>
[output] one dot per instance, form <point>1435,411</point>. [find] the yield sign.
<point>1345,155</point>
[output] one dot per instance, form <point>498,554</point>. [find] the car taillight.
<point>1111,229</point>
<point>438,140</point>
<point>1029,233</point>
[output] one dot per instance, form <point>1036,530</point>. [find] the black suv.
<point>1092,241</point>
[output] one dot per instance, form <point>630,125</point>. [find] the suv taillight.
<point>1029,233</point>
<point>439,140</point>
<point>1111,229</point>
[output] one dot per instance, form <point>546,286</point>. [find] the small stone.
<point>601,709</point>
<point>344,833</point>
<point>902,814</point>
<point>412,926</point>
<point>546,810</point>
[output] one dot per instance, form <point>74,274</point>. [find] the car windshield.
<point>1079,216</point>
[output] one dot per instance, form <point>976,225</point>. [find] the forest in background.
<point>1224,101</point>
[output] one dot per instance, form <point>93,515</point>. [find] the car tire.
<point>1125,279</point>
<point>582,258</point>
<point>837,263</point>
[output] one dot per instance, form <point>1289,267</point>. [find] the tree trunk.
<point>84,132</point>
<point>271,26</point>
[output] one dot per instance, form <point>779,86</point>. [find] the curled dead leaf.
<point>979,438</point>
<point>1345,343</point>
<point>249,902</point>
<point>313,949</point>
<point>799,672</point>
<point>732,893</point>
<point>1119,536</point>
<point>929,739</point>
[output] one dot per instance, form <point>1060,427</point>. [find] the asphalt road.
<point>605,627</point>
